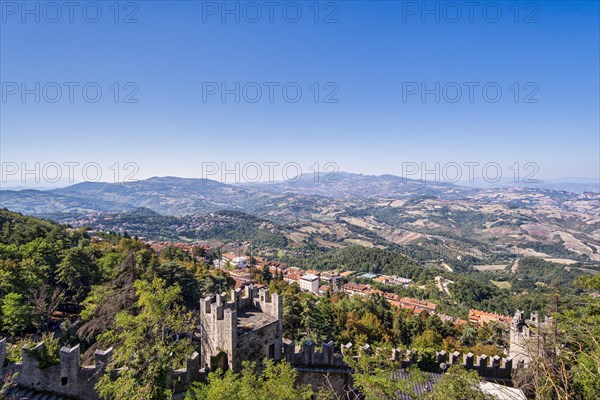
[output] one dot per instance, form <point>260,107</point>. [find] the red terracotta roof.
<point>484,317</point>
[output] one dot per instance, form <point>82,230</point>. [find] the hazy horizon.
<point>12,184</point>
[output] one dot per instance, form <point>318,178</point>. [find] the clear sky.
<point>376,66</point>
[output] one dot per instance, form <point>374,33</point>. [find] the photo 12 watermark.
<point>270,92</point>
<point>470,171</point>
<point>469,92</point>
<point>69,92</point>
<point>453,12</point>
<point>67,172</point>
<point>253,12</point>
<point>53,12</point>
<point>269,171</point>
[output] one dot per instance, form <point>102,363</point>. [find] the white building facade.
<point>309,283</point>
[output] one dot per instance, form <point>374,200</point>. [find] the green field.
<point>502,284</point>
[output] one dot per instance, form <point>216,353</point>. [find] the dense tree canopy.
<point>151,342</point>
<point>276,381</point>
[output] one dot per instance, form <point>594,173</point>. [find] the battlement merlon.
<point>230,330</point>
<point>69,363</point>
<point>535,319</point>
<point>236,298</point>
<point>192,367</point>
<point>2,352</point>
<point>103,357</point>
<point>29,362</point>
<point>270,304</point>
<point>518,318</point>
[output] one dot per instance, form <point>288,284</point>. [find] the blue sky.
<point>371,54</point>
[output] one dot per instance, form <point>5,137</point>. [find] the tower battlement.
<point>250,297</point>
<point>523,331</point>
<point>247,327</point>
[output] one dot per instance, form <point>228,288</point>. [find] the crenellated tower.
<point>526,336</point>
<point>248,327</point>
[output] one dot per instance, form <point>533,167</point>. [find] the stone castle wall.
<point>324,368</point>
<point>222,333</point>
<point>327,369</point>
<point>257,345</point>
<point>72,380</point>
<point>486,366</point>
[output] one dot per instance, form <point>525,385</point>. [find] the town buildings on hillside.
<point>323,282</point>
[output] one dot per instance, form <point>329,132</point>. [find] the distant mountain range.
<point>385,211</point>
<point>181,196</point>
<point>324,183</point>
<point>168,195</point>
<point>348,185</point>
<point>574,185</point>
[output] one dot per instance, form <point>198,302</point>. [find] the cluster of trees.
<point>472,293</point>
<point>51,276</point>
<point>371,320</point>
<point>364,259</point>
<point>556,249</point>
<point>273,381</point>
<point>119,291</point>
<point>534,271</point>
<point>152,339</point>
<point>42,267</point>
<point>229,226</point>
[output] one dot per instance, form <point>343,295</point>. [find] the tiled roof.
<point>292,277</point>
<point>421,304</point>
<point>482,317</point>
<point>357,287</point>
